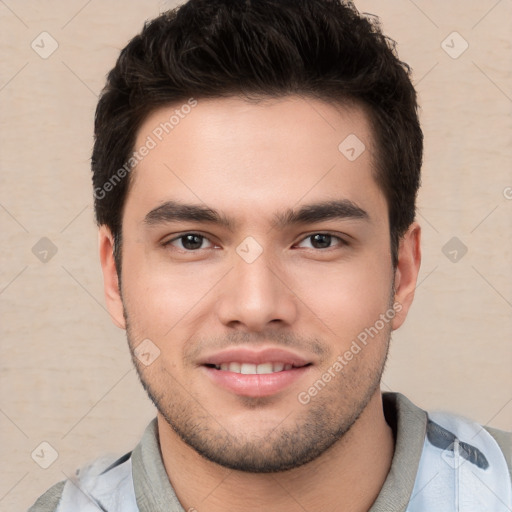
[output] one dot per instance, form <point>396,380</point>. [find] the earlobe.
<point>409,260</point>
<point>110,277</point>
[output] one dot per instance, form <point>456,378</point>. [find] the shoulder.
<point>49,501</point>
<point>444,427</point>
<point>477,442</point>
<point>103,484</point>
<point>504,440</point>
<point>461,460</point>
<point>463,457</point>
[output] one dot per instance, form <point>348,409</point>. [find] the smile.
<point>253,369</point>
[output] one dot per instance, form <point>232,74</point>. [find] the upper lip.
<point>255,356</point>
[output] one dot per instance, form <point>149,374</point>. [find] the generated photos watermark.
<point>361,341</point>
<point>157,135</point>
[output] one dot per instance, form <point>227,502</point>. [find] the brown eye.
<point>321,241</point>
<point>188,242</point>
<point>191,242</point>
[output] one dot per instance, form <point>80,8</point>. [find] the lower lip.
<point>259,385</point>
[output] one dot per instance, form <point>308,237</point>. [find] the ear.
<point>110,277</point>
<point>406,275</point>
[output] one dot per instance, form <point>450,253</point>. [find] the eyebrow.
<point>341,209</point>
<point>174,211</point>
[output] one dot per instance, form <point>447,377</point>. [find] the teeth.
<point>264,368</point>
<point>253,369</point>
<point>248,369</point>
<point>235,367</point>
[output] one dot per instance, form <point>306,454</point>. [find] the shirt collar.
<point>409,425</point>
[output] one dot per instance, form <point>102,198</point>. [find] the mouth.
<point>255,369</point>
<point>255,373</point>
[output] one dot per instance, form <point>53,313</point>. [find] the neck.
<point>346,477</point>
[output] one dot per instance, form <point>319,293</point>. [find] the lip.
<point>258,385</point>
<point>255,385</point>
<point>246,355</point>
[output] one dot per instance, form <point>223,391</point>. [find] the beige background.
<point>66,377</point>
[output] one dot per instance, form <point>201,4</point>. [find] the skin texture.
<point>250,162</point>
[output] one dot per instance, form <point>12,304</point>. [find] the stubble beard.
<point>290,443</point>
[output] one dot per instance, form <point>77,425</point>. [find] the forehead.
<point>252,157</point>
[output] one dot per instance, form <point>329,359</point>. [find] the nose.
<point>256,295</point>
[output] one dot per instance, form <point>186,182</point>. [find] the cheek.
<point>346,297</point>
<point>158,297</point>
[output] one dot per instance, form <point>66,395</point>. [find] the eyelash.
<point>341,241</point>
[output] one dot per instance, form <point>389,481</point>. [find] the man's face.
<point>251,307</point>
